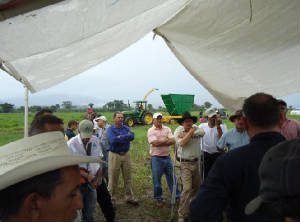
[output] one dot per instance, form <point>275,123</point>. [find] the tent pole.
<point>26,112</point>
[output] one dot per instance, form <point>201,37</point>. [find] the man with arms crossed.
<point>160,138</point>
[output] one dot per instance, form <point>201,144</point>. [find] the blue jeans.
<point>160,166</point>
<point>89,198</point>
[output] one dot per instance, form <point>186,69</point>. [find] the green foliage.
<point>6,107</point>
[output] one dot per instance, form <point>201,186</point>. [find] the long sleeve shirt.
<point>119,138</point>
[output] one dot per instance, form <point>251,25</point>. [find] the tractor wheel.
<point>147,118</point>
<point>129,122</point>
<point>172,121</point>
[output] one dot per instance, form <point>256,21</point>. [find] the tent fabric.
<point>237,48</point>
<point>46,46</point>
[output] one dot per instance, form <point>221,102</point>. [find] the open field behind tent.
<point>11,129</point>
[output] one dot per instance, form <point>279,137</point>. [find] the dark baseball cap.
<point>279,175</point>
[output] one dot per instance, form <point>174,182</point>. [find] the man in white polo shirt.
<point>213,131</point>
<point>87,145</point>
<point>160,139</point>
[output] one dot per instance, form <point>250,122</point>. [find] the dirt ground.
<point>146,211</point>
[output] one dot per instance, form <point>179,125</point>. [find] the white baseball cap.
<point>155,115</point>
<point>102,118</point>
<point>32,156</point>
<point>210,112</point>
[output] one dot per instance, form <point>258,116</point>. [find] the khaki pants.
<point>190,177</point>
<point>115,163</point>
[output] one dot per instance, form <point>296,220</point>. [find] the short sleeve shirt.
<point>233,139</point>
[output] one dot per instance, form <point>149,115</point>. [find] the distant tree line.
<point>115,105</point>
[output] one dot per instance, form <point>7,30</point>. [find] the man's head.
<point>187,120</point>
<point>101,121</point>
<point>211,116</point>
<point>238,120</point>
<point>118,119</point>
<point>40,183</point>
<point>261,111</point>
<point>46,123</point>
<point>157,120</point>
<point>279,188</point>
<point>72,125</point>
<point>282,108</point>
<point>85,130</point>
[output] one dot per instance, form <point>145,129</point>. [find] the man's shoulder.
<point>203,125</point>
<point>293,121</point>
<point>179,129</point>
<point>74,140</point>
<point>166,128</point>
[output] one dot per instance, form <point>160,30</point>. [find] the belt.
<point>186,160</point>
<point>121,153</point>
<point>164,157</point>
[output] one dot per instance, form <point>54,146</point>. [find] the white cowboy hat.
<point>32,156</point>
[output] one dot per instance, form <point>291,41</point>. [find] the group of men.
<point>45,179</point>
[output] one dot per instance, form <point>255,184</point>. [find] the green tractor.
<point>139,115</point>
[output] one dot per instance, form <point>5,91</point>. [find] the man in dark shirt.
<point>233,180</point>
<point>72,126</point>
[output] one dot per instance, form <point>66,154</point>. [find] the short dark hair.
<point>262,110</point>
<point>13,196</point>
<point>38,124</point>
<point>116,113</point>
<point>72,122</point>
<point>42,112</point>
<point>281,102</point>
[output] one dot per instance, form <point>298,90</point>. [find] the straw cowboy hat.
<point>187,115</point>
<point>36,155</point>
<point>238,113</point>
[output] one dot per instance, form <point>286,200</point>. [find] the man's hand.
<point>180,135</point>
<point>90,178</point>
<point>218,121</point>
<point>119,137</point>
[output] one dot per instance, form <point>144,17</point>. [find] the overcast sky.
<point>128,75</point>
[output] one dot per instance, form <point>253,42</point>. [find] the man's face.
<point>283,110</point>
<point>119,119</point>
<point>212,120</point>
<point>158,122</point>
<point>239,123</point>
<point>85,140</point>
<point>187,124</point>
<point>101,123</point>
<point>65,199</point>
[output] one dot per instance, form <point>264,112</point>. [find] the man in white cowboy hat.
<point>213,131</point>
<point>40,179</point>
<point>160,139</point>
<point>187,137</point>
<point>87,144</point>
<point>235,137</point>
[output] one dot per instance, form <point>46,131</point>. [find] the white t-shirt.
<point>210,138</point>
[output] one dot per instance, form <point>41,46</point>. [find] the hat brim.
<point>31,169</point>
<point>86,135</point>
<point>253,205</point>
<point>232,118</point>
<point>194,118</point>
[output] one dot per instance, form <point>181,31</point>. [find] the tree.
<point>67,105</point>
<point>6,107</point>
<point>207,105</point>
<point>35,108</point>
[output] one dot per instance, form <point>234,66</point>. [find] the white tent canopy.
<point>215,40</point>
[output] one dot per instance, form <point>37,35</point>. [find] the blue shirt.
<point>233,139</point>
<point>233,182</point>
<point>119,144</point>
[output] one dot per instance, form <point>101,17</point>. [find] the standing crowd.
<point>248,173</point>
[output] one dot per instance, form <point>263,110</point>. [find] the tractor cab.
<point>139,115</point>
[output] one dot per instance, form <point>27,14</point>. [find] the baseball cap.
<point>102,118</point>
<point>155,115</point>
<point>35,155</point>
<point>210,112</point>
<point>279,174</point>
<point>86,129</point>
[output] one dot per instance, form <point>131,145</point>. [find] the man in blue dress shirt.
<point>119,137</point>
<point>236,136</point>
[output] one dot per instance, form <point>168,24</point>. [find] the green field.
<point>11,129</point>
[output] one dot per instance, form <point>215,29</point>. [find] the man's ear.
<point>31,207</point>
